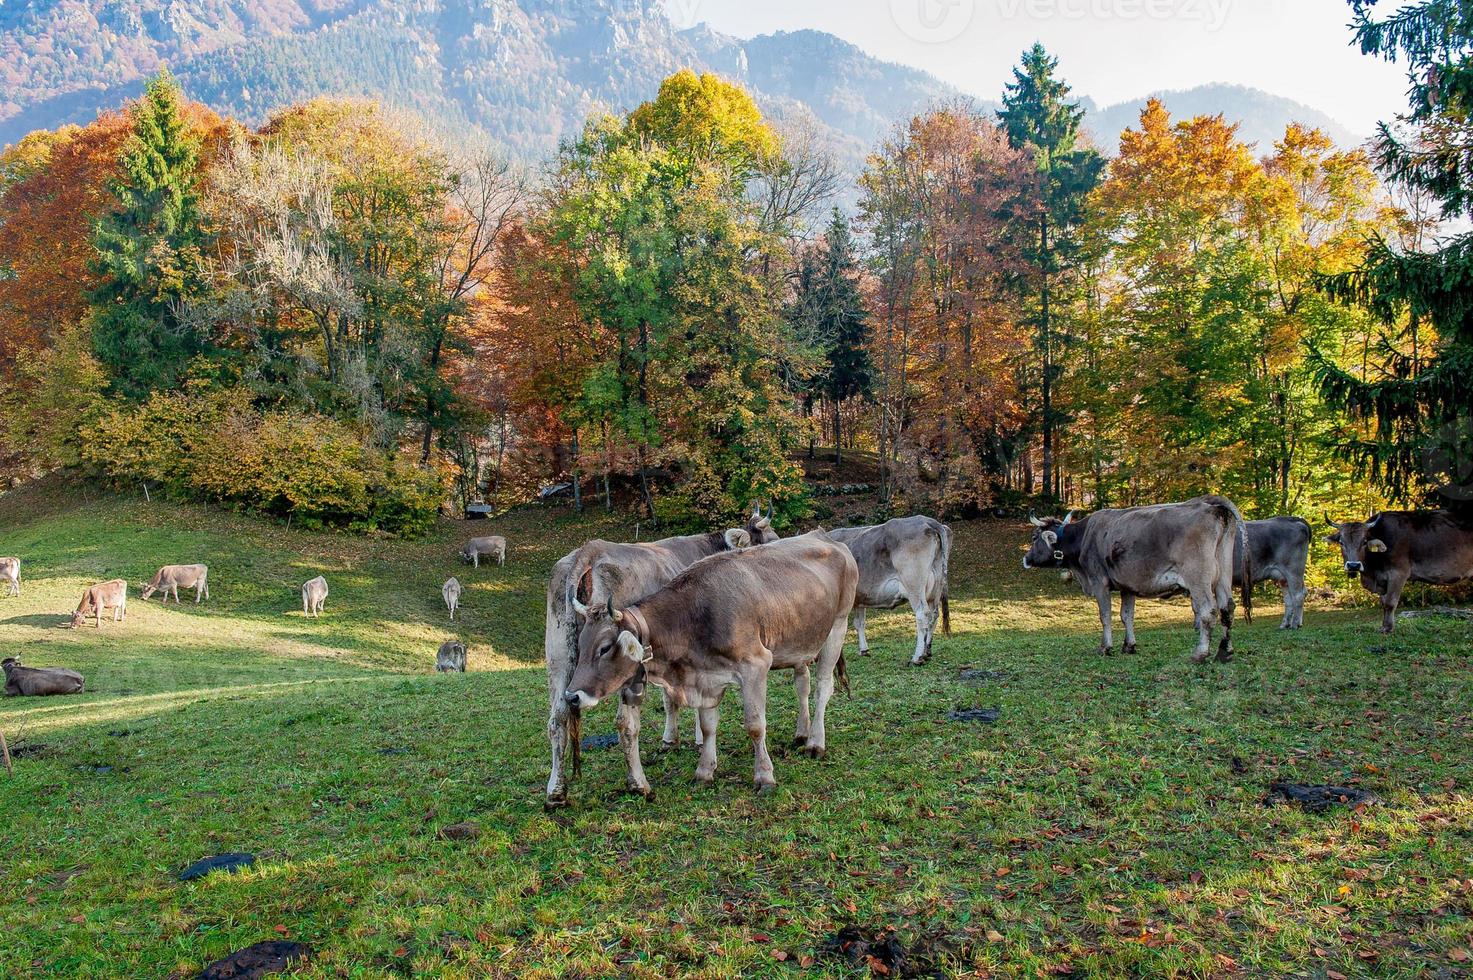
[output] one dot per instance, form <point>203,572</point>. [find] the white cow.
<point>904,560</point>
<point>451,591</point>
<point>491,547</point>
<point>10,572</point>
<point>314,596</point>
<point>171,577</point>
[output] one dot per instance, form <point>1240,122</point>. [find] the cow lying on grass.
<point>36,682</point>
<point>728,620</point>
<point>104,595</point>
<point>171,578</point>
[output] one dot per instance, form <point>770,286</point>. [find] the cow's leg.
<point>671,737</point>
<point>1390,599</point>
<point>476,558</point>
<point>800,690</point>
<point>1294,594</point>
<point>859,629</point>
<point>1127,619</point>
<point>1226,608</point>
<point>1204,611</point>
<point>1107,641</point>
<point>706,768</point>
<point>923,630</point>
<point>754,716</point>
<point>628,723</point>
<point>828,659</point>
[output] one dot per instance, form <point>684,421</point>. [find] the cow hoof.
<point>669,746</point>
<point>554,803</point>
<point>1106,651</point>
<point>815,752</point>
<point>1224,655</point>
<point>1199,658</point>
<point>1130,649</point>
<point>705,780</point>
<point>642,791</point>
<point>766,789</point>
<point>864,651</point>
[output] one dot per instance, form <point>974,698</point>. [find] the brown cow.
<point>104,595</point>
<point>1156,552</point>
<point>171,578</point>
<point>904,560</point>
<point>728,620</point>
<point>590,577</point>
<point>10,572</point>
<point>491,547</point>
<point>39,681</point>
<point>1397,547</point>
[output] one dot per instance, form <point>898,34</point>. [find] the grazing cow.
<point>1397,547</point>
<point>1157,552</point>
<point>1279,548</point>
<point>104,595</point>
<point>903,560</point>
<point>10,572</point>
<point>451,592</point>
<point>35,682</point>
<point>314,596</point>
<point>728,620</point>
<point>492,547</point>
<point>591,577</point>
<point>451,658</point>
<point>171,578</point>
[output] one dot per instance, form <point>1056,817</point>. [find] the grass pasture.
<point>1109,824</point>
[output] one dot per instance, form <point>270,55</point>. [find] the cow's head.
<point>1358,542</point>
<point>611,652</point>
<point>9,664</point>
<point>759,527</point>
<point>147,589</point>
<point>1044,552</point>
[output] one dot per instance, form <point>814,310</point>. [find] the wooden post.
<point>5,751</point>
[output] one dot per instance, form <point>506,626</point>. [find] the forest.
<point>338,320</point>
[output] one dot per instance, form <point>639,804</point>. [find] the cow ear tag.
<point>633,649</point>
<point>1376,546</point>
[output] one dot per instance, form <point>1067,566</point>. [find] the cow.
<point>451,593</point>
<point>1157,552</point>
<point>1397,547</point>
<point>492,547</point>
<point>1280,551</point>
<point>104,595</point>
<point>904,560</point>
<point>10,572</point>
<point>451,658</point>
<point>38,682</point>
<point>598,572</point>
<point>728,620</point>
<point>171,578</point>
<point>314,596</point>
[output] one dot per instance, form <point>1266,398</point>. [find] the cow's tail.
<point>943,540</point>
<point>841,671</point>
<point>1242,529</point>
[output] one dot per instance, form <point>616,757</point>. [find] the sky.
<point>1110,50</point>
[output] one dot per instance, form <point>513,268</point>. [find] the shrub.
<point>210,443</point>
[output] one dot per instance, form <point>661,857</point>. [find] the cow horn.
<point>1068,519</point>
<point>580,608</point>
<point>612,610</point>
<point>1034,520</point>
<point>1330,522</point>
<point>769,510</point>
<point>1374,521</point>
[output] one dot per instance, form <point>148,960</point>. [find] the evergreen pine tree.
<point>1420,407</point>
<point>150,248</point>
<point>1038,116</point>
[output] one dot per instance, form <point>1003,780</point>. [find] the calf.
<point>104,595</point>
<point>314,596</point>
<point>728,620</point>
<point>39,681</point>
<point>451,658</point>
<point>171,578</point>
<point>10,572</point>
<point>1397,547</point>
<point>1279,550</point>
<point>492,547</point>
<point>903,560</point>
<point>450,591</point>
<point>1156,552</point>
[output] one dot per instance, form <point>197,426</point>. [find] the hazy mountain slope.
<point>1262,115</point>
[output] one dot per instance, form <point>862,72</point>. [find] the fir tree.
<point>1039,118</point>
<point>150,248</point>
<point>1420,407</point>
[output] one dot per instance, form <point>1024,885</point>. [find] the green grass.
<point>1101,827</point>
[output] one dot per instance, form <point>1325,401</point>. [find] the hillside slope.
<point>1108,824</point>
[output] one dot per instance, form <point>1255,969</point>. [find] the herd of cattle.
<point>699,614</point>
<point>696,615</point>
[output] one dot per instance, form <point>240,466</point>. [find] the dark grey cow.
<point>1157,552</point>
<point>38,682</point>
<point>591,577</point>
<point>1279,549</point>
<point>1397,547</point>
<point>904,560</point>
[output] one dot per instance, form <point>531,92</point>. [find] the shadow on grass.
<point>39,620</point>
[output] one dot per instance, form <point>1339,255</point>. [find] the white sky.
<point>1112,50</point>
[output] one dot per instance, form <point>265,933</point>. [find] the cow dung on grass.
<point>260,960</point>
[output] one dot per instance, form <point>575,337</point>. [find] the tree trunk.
<point>1047,327</point>
<point>577,483</point>
<point>838,437</point>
